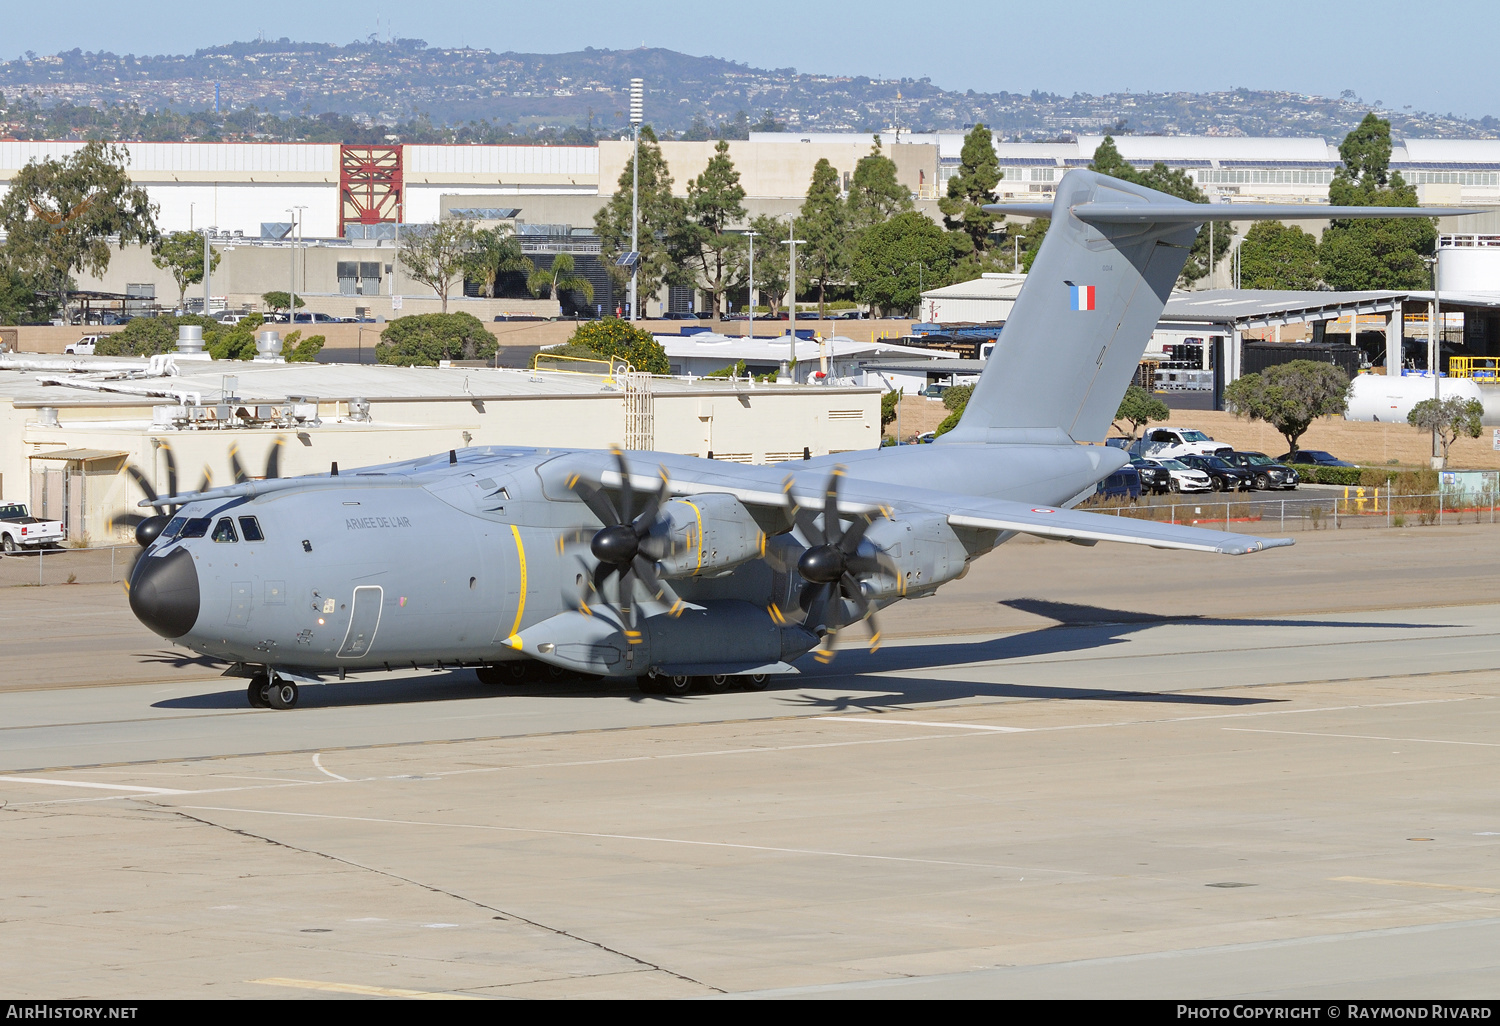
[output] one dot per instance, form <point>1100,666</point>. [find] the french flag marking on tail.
<point>1083,296</point>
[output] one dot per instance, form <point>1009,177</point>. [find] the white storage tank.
<point>1468,263</point>
<point>1380,397</point>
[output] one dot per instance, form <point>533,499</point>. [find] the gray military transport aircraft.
<point>669,569</point>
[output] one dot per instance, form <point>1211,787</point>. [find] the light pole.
<point>750,288</point>
<point>291,295</point>
<point>793,242</point>
<point>1015,253</point>
<point>208,289</point>
<point>637,111</point>
<point>1435,357</point>
<point>396,259</point>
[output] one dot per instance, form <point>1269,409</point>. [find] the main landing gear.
<point>682,684</point>
<point>268,691</point>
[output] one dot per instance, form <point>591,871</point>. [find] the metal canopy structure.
<point>81,455</point>
<point>1243,309</point>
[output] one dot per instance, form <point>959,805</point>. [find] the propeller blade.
<point>273,460</point>
<point>130,520</point>
<point>627,490</point>
<point>207,480</point>
<point>814,599</point>
<point>658,588</point>
<point>647,518</point>
<point>855,534</point>
<point>171,470</point>
<point>145,485</point>
<point>833,529</point>
<point>240,477</point>
<point>601,574</point>
<point>597,500</point>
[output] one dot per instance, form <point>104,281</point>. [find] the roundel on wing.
<point>1042,509</point>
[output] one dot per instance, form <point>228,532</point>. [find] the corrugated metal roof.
<point>82,455</point>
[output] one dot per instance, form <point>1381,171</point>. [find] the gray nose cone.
<point>164,593</point>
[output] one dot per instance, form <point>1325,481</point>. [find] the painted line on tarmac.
<point>363,990</point>
<point>1414,883</point>
<point>318,762</point>
<point>1368,737</point>
<point>103,787</point>
<point>550,832</point>
<point>924,723</point>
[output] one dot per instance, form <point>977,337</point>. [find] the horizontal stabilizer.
<point>1202,213</point>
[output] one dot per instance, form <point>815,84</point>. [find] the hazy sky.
<point>1434,55</point>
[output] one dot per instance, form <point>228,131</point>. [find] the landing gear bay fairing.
<point>664,568</point>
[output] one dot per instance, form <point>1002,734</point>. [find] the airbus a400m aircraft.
<point>665,568</point>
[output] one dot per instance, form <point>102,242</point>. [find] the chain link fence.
<point>39,567</point>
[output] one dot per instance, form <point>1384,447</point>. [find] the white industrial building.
<point>69,426</point>
<point>834,360</point>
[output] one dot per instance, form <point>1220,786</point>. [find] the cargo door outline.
<point>364,621</point>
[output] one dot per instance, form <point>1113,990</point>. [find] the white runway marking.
<point>1367,737</point>
<point>103,787</point>
<point>923,723</point>
<point>625,837</point>
<point>318,762</point>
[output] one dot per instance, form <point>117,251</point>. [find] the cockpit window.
<point>250,528</point>
<point>173,529</point>
<point>224,530</point>
<point>196,527</point>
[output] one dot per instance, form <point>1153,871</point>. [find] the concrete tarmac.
<point>1081,773</point>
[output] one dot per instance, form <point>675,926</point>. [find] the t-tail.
<point>1092,299</point>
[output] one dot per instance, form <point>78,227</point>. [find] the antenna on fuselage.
<point>334,471</point>
<point>452,457</point>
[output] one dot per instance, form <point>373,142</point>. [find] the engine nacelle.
<point>710,533</point>
<point>922,547</point>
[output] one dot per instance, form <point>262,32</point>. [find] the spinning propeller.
<point>831,569</point>
<point>626,547</point>
<point>148,528</point>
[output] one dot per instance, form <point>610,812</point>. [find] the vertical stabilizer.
<point>1082,321</point>
<point>1092,300</point>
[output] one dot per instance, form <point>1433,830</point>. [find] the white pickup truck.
<point>84,346</point>
<point>1171,442</point>
<point>20,530</point>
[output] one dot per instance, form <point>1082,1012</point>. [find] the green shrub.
<point>957,397</point>
<point>147,336</point>
<point>424,339</point>
<point>305,351</point>
<point>613,338</point>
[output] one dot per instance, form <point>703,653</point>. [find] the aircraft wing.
<point>1088,528</point>
<point>992,514</point>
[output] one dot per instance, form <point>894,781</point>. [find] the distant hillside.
<point>285,89</point>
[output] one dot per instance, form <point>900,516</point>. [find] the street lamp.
<point>750,288</point>
<point>208,291</point>
<point>637,112</point>
<point>1015,253</point>
<point>291,296</point>
<point>1435,354</point>
<point>792,297</point>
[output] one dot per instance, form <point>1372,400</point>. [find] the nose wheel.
<point>267,691</point>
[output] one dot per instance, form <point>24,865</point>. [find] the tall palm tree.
<point>561,277</point>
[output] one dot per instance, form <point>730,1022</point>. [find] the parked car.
<point>20,530</point>
<point>1268,473</point>
<point>927,438</point>
<point>1315,457</point>
<point>84,346</point>
<point>304,317</point>
<point>935,391</point>
<point>1184,477</point>
<point>1155,478</point>
<point>1124,483</point>
<point>1226,477</point>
